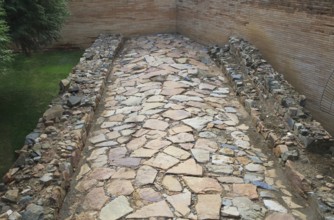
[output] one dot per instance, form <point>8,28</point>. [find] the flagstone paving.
<point>169,143</point>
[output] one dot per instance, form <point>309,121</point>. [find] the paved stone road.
<point>170,143</point>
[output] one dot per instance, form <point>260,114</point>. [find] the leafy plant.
<point>5,53</point>
<point>35,23</point>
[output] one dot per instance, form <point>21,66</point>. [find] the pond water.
<point>26,89</point>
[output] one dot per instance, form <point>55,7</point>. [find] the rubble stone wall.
<point>34,188</point>
<point>295,36</point>
<point>128,17</point>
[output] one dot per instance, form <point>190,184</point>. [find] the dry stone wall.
<point>295,36</point>
<point>34,188</point>
<point>278,112</point>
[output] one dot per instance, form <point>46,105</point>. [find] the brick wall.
<point>89,18</point>
<point>296,36</point>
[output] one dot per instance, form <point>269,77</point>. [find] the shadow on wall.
<point>327,98</point>
<point>257,36</point>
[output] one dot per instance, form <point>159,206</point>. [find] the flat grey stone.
<point>116,209</point>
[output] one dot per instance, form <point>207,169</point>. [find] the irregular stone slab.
<point>290,203</point>
<point>117,152</point>
<point>189,167</point>
<point>177,152</point>
<point>133,101</point>
<point>274,206</point>
<point>126,162</point>
<point>116,118</point>
<point>255,168</point>
<point>135,119</point>
<point>187,146</point>
<point>176,114</point>
<point>206,144</point>
<point>280,216</point>
<point>199,122</point>
<point>171,183</point>
<point>143,153</point>
<point>95,199</point>
<point>248,209</point>
<point>207,134</point>
<point>171,91</point>
<point>156,98</point>
<point>107,113</point>
<point>203,185</point>
<point>128,132</point>
<point>155,134</point>
<point>181,138</point>
<point>124,173</point>
<point>208,206</point>
<point>175,84</point>
<point>53,113</point>
<point>162,161</point>
<point>221,159</point>
<point>230,211</point>
<point>181,203</point>
<point>156,124</point>
<point>123,127</point>
<point>109,124</point>
<point>145,175</point>
<point>180,66</point>
<point>101,173</point>
<point>227,151</point>
<point>113,135</point>
<point>32,212</point>
<point>206,86</point>
<point>222,169</point>
<point>230,179</point>
<point>136,143</point>
<point>152,105</point>
<point>200,155</point>
<point>249,177</point>
<point>242,144</point>
<point>116,209</point>
<point>149,195</point>
<point>120,187</point>
<point>107,144</point>
<point>98,139</point>
<point>159,209</point>
<point>238,135</point>
<point>248,190</point>
<point>180,129</point>
<point>157,144</point>
<point>184,98</point>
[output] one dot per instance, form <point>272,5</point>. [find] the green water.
<point>26,89</point>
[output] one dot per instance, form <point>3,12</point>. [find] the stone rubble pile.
<point>170,143</point>
<point>34,188</point>
<point>278,112</point>
<point>265,90</point>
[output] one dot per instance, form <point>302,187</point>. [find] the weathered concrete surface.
<point>170,143</point>
<point>90,18</point>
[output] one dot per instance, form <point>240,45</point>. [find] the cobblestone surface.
<point>170,143</point>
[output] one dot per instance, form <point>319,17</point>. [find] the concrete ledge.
<point>34,188</point>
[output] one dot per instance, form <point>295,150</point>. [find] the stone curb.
<point>35,187</point>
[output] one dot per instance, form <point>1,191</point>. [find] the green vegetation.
<point>35,23</point>
<point>5,54</point>
<point>25,91</point>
